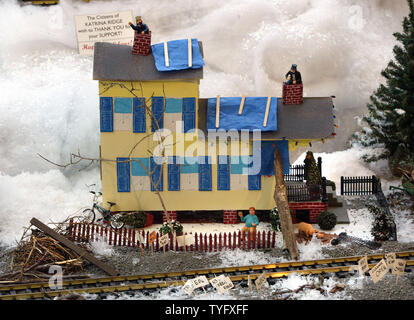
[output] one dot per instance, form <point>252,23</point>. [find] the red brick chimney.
<point>292,93</point>
<point>142,44</point>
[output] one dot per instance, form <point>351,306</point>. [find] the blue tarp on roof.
<point>177,55</point>
<point>252,117</point>
<point>268,155</point>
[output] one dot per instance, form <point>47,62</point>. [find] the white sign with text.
<point>103,27</point>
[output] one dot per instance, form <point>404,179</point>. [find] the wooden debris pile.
<point>35,253</point>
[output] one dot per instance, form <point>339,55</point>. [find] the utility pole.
<point>282,204</point>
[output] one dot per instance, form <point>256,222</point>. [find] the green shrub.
<point>275,219</point>
<point>327,220</point>
<point>136,219</point>
<point>165,228</point>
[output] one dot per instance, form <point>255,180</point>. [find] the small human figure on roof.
<point>251,222</point>
<point>142,28</point>
<point>293,76</point>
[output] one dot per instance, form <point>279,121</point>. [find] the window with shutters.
<point>189,173</point>
<point>140,168</point>
<point>123,114</point>
<point>173,113</point>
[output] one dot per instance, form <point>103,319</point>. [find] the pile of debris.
<point>42,247</point>
<point>35,253</point>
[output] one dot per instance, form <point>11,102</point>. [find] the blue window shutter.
<point>174,175</point>
<point>139,115</point>
<point>157,176</point>
<point>106,114</point>
<point>255,182</point>
<point>157,107</point>
<point>204,174</point>
<point>223,173</point>
<point>123,174</point>
<point>189,113</point>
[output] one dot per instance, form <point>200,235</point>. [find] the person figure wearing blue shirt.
<point>251,222</point>
<point>142,28</point>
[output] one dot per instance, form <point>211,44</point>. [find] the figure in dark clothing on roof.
<point>293,76</point>
<point>140,27</point>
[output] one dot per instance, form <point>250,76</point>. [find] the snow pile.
<point>101,248</point>
<point>48,196</point>
<point>404,221</point>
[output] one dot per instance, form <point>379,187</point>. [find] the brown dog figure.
<point>306,229</point>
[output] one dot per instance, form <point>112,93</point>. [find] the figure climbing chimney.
<point>142,38</point>
<point>293,87</point>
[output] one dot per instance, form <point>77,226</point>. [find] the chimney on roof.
<point>142,43</point>
<point>293,87</point>
<point>292,93</point>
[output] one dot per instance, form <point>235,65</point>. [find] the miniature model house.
<point>142,93</point>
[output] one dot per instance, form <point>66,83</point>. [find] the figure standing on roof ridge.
<point>142,28</point>
<point>293,76</point>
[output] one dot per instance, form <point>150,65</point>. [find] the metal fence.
<point>297,173</point>
<point>358,186</point>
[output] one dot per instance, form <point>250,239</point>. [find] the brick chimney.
<point>292,93</point>
<point>142,44</point>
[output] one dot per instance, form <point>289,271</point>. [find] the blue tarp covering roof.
<point>252,117</point>
<point>177,55</point>
<point>268,155</point>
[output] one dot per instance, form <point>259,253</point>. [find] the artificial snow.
<point>101,248</point>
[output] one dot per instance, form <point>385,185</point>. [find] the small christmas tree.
<point>312,174</point>
<point>383,224</point>
<point>391,108</point>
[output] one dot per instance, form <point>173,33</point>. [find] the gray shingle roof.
<point>313,119</point>
<point>116,62</point>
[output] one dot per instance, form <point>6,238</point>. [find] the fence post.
<point>320,165</point>
<point>210,245</point>
<point>234,240</point>
<point>205,243</point>
<point>219,242</point>
<point>342,185</point>
<point>83,232</point>
<point>374,184</point>
<point>70,230</point>
<point>324,197</point>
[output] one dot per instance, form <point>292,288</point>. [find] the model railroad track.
<point>128,284</point>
